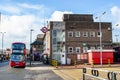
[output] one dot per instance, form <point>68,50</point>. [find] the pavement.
<point>74,72</point>
<point>2,64</point>
<point>69,74</point>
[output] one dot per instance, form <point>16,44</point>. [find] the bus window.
<point>18,47</point>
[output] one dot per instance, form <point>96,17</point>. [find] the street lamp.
<point>30,44</point>
<point>100,32</point>
<point>2,41</point>
<point>116,38</point>
<point>31,35</point>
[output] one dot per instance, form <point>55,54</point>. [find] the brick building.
<point>38,43</point>
<point>76,34</point>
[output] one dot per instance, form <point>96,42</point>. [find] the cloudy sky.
<point>19,16</point>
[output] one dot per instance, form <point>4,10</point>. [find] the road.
<point>39,72</point>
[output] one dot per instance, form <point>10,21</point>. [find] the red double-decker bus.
<point>19,47</point>
<point>18,53</point>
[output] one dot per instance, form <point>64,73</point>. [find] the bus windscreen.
<point>18,46</point>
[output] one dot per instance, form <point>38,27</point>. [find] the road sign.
<point>44,29</point>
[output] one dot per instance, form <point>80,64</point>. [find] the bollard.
<point>53,62</point>
<point>92,63</point>
<point>75,63</point>
<point>109,62</point>
<point>84,72</point>
<point>56,64</point>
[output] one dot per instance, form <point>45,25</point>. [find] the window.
<point>35,46</point>
<point>98,34</point>
<point>70,49</point>
<point>18,46</point>
<point>70,34</point>
<point>54,33</point>
<point>85,49</point>
<point>77,34</point>
<point>78,50</point>
<point>85,34</point>
<point>54,48</point>
<point>92,48</point>
<point>92,34</point>
<point>99,48</point>
<point>54,41</point>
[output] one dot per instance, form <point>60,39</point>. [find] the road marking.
<point>75,74</point>
<point>28,77</point>
<point>40,68</point>
<point>63,75</point>
<point>1,70</point>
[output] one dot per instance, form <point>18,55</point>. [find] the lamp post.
<point>2,41</point>
<point>30,44</point>
<point>116,38</point>
<point>100,33</point>
<point>31,35</point>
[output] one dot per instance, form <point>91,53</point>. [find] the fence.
<point>99,74</point>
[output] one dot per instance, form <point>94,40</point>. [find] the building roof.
<point>78,17</point>
<point>37,43</point>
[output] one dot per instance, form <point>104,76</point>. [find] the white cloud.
<point>115,11</point>
<point>10,9</point>
<point>57,15</point>
<point>17,25</point>
<point>38,7</point>
<point>23,8</point>
<point>17,28</point>
<point>116,14</point>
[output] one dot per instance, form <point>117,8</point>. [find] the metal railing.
<point>100,74</point>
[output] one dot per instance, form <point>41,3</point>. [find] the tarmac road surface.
<point>39,72</point>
